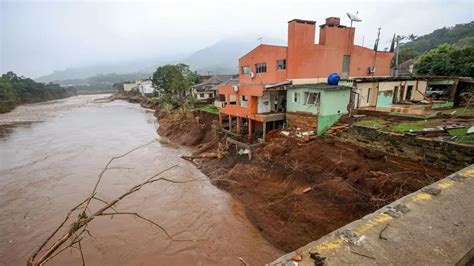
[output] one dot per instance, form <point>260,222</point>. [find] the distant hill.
<point>219,58</point>
<point>223,56</point>
<point>459,35</point>
<point>80,73</point>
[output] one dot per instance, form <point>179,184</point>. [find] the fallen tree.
<point>77,228</point>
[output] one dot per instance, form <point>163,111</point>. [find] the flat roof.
<point>320,86</point>
<point>303,21</point>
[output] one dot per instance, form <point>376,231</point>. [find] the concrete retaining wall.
<point>448,155</point>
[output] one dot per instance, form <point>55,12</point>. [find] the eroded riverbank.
<point>294,192</point>
<point>50,164</point>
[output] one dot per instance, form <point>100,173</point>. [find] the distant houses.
<point>206,91</point>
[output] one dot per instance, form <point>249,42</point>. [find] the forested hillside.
<point>461,35</point>
<point>16,90</point>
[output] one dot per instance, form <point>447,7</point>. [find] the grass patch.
<point>210,109</point>
<point>404,127</point>
<point>461,135</point>
<point>460,111</point>
<point>373,122</point>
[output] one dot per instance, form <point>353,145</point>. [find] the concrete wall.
<point>447,155</point>
<point>299,106</point>
<point>334,102</point>
<point>331,101</point>
<point>309,60</point>
<point>381,93</point>
<point>263,53</point>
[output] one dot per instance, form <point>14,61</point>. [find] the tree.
<point>447,60</point>
<point>17,90</point>
<point>173,81</point>
<point>392,45</point>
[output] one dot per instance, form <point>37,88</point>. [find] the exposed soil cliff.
<point>298,192</point>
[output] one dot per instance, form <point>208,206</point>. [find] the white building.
<point>129,87</point>
<point>145,87</point>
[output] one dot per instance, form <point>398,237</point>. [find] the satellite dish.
<point>353,17</point>
<point>235,88</point>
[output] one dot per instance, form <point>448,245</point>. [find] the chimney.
<point>301,33</point>
<point>333,21</point>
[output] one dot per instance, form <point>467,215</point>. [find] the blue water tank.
<point>333,79</point>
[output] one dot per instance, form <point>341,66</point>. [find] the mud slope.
<point>296,193</point>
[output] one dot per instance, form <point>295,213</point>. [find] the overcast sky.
<point>38,37</point>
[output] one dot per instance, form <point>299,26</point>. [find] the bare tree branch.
<point>74,234</point>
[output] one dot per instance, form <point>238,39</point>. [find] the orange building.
<point>257,104</point>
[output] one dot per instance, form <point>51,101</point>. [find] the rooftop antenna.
<point>353,17</point>
<point>260,39</point>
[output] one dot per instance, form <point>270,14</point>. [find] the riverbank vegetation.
<point>15,90</point>
<point>172,81</point>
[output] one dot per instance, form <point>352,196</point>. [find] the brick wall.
<point>304,121</point>
<point>448,155</point>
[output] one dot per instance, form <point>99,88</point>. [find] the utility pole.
<point>376,46</point>
<point>396,55</point>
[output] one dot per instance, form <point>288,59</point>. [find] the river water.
<point>50,156</point>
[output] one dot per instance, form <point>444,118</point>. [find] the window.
<point>261,67</point>
<point>245,70</point>
<point>345,64</point>
<point>201,95</point>
<point>368,94</point>
<point>311,98</point>
<point>296,97</point>
<point>281,64</point>
<point>243,98</point>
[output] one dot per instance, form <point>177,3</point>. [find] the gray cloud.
<point>38,37</point>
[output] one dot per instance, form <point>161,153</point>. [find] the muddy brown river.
<point>50,156</point>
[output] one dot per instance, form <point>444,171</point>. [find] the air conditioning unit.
<point>371,69</point>
<point>252,75</point>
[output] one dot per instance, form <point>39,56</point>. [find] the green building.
<point>316,107</point>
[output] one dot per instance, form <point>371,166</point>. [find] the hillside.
<point>459,35</point>
<point>218,58</point>
<point>223,56</point>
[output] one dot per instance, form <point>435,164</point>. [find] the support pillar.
<point>220,120</point>
<point>264,130</point>
<point>238,124</point>
<point>230,123</point>
<point>250,127</point>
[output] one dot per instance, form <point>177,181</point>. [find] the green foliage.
<point>461,135</point>
<point>17,90</point>
<point>210,109</point>
<point>374,122</point>
<point>102,82</point>
<point>404,127</point>
<point>460,111</point>
<point>173,81</point>
<point>447,60</point>
<point>461,35</point>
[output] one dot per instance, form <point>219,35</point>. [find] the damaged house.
<point>316,107</point>
<point>206,91</point>
<point>259,101</point>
